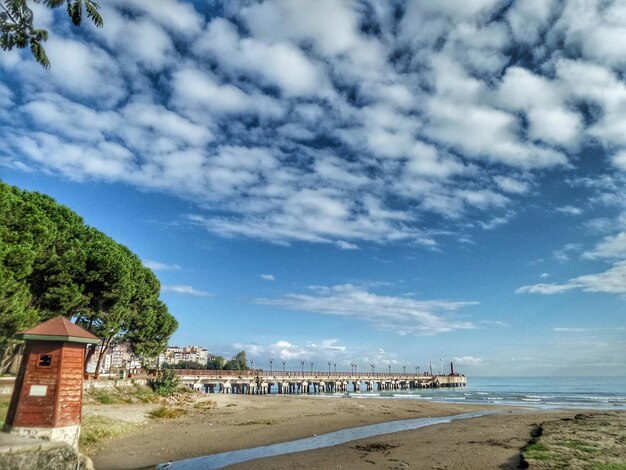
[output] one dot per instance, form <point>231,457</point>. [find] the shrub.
<point>166,383</point>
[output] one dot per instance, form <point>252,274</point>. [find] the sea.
<point>603,393</point>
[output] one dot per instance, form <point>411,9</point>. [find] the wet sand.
<point>239,421</point>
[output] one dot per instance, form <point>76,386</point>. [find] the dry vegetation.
<point>95,429</point>
<point>121,395</point>
<point>165,412</point>
<point>4,406</point>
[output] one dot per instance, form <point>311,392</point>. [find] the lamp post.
<point>311,367</point>
<point>329,363</point>
<point>351,368</point>
<point>417,370</point>
<point>389,366</point>
<point>355,364</point>
<point>252,363</point>
<point>373,366</point>
<point>404,369</point>
<point>271,362</point>
<point>284,367</point>
<point>335,366</point>
<point>302,362</point>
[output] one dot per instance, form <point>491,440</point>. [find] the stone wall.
<point>6,384</point>
<point>20,453</point>
<point>113,383</point>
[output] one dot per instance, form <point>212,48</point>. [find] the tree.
<point>239,362</point>
<point>52,264</point>
<point>215,363</point>
<point>17,29</point>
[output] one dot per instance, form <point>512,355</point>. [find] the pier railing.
<point>299,374</point>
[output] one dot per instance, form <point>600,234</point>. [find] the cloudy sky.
<point>349,181</point>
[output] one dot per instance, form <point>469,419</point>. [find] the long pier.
<point>298,382</point>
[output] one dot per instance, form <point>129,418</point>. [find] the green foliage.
<point>103,397</point>
<point>216,363</point>
<point>52,264</point>
<point>166,383</point>
<point>17,29</point>
<point>239,362</point>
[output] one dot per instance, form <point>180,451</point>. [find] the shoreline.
<point>235,422</point>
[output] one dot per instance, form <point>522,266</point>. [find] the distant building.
<point>116,358</point>
<point>174,354</point>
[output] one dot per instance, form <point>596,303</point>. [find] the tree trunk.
<point>6,357</point>
<point>91,349</point>
<point>103,349</point>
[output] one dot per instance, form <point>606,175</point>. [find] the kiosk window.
<point>45,360</point>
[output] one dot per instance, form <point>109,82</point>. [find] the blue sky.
<point>370,182</point>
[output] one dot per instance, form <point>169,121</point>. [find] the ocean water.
<point>605,393</point>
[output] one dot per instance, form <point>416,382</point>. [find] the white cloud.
<point>611,247</point>
<point>280,63</point>
<point>184,289</point>
<point>295,122</point>
<point>612,281</point>
<point>158,266</point>
<point>569,210</point>
<point>267,277</point>
<point>467,361</point>
<point>511,185</point>
<point>196,91</point>
<point>570,329</point>
<point>403,315</point>
<point>563,254</point>
<point>546,289</point>
<point>282,350</point>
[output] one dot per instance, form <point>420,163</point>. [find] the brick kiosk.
<point>47,397</point>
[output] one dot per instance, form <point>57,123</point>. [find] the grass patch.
<point>231,405</point>
<point>165,412</point>
<point>578,445</point>
<point>589,440</point>
<point>103,397</point>
<point>95,429</point>
<point>537,451</point>
<point>266,422</point>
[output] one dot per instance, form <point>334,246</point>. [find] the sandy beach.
<point>233,422</point>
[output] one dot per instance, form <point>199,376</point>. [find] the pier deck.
<point>297,382</point>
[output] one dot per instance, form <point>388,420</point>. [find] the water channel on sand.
<point>316,442</point>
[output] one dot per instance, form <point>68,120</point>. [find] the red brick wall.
<point>70,387</point>
<point>61,406</point>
